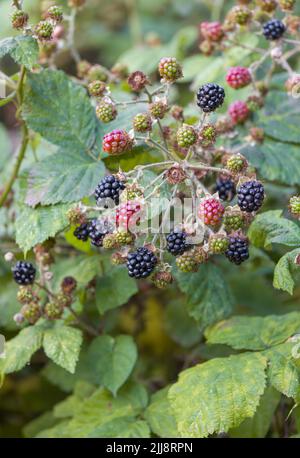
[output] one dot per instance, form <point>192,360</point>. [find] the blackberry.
<point>176,243</point>
<point>98,229</point>
<point>225,188</point>
<point>24,273</point>
<point>141,263</point>
<point>250,196</point>
<point>237,251</point>
<point>210,96</point>
<point>82,232</point>
<point>273,29</point>
<point>108,188</point>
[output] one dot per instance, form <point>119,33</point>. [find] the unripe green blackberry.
<point>158,109</point>
<point>142,122</point>
<point>240,15</point>
<point>162,279</point>
<point>120,70</point>
<point>118,259</point>
<point>236,163</point>
<point>124,237</point>
<point>200,254</point>
<point>97,88</point>
<point>218,244</point>
<point>83,68</point>
<point>207,135</point>
<point>26,295</point>
<point>254,102</point>
<point>267,5</point>
<point>287,5</point>
<point>31,312</point>
<point>44,30</point>
<point>177,113</point>
<point>97,72</point>
<point>63,299</point>
<point>186,262</point>
<point>186,136</point>
<point>19,19</point>
<point>131,192</point>
<point>53,310</point>
<point>169,69</point>
<point>106,111</point>
<point>55,13</point>
<point>233,220</point>
<point>294,205</point>
<point>257,134</point>
<point>76,216</point>
<point>110,242</point>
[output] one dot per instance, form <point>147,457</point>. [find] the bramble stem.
<point>85,326</point>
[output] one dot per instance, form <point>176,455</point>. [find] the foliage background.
<point>168,338</point>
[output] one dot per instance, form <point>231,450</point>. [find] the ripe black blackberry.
<point>225,188</point>
<point>24,273</point>
<point>176,243</point>
<point>82,232</point>
<point>237,251</point>
<point>251,195</point>
<point>141,263</point>
<point>210,96</point>
<point>273,29</point>
<point>108,188</point>
<point>98,229</point>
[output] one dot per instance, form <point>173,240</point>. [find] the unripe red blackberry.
<point>55,13</point>
<point>19,19</point>
<point>68,285</point>
<point>162,279</point>
<point>97,73</point>
<point>24,273</point>
<point>233,220</point>
<point>251,195</point>
<point>97,88</point>
<point>218,244</point>
<point>267,5</point>
<point>142,122</point>
<point>287,5</point>
<point>158,109</point>
<point>31,312</point>
<point>257,134</point>
<point>169,69</point>
<point>237,251</point>
<point>127,215</point>
<point>53,310</point>
<point>186,136</point>
<point>117,142</point>
<point>187,263</point>
<point>44,30</point>
<point>212,31</point>
<point>294,205</point>
<point>207,135</point>
<point>211,211</point>
<point>240,15</point>
<point>137,81</point>
<point>124,237</point>
<point>236,163</point>
<point>238,112</point>
<point>238,77</point>
<point>106,111</point>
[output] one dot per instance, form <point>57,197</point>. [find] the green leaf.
<point>180,326</point>
<point>18,351</point>
<point>208,296</point>
<point>124,427</point>
<point>46,420</point>
<point>258,426</point>
<point>35,225</point>
<point>59,377</point>
<point>23,49</point>
<point>62,345</point>
<point>284,270</point>
<point>283,373</point>
<point>218,395</point>
<point>59,110</point>
<point>63,177</point>
<point>271,228</point>
<point>113,360</point>
<point>159,415</point>
<point>108,296</point>
<point>254,333</point>
<point>82,268</point>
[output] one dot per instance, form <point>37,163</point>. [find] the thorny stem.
<point>71,36</point>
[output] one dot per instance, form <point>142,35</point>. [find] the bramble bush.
<point>150,231</point>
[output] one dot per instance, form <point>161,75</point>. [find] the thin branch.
<point>88,328</point>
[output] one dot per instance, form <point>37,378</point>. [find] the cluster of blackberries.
<point>273,29</point>
<point>251,196</point>
<point>238,249</point>
<point>94,230</point>
<point>225,188</point>
<point>210,96</point>
<point>24,273</point>
<point>108,188</point>
<point>141,263</point>
<point>176,242</point>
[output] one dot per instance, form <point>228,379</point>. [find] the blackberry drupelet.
<point>225,188</point>
<point>237,251</point>
<point>210,96</point>
<point>108,188</point>
<point>24,273</point>
<point>82,232</point>
<point>176,243</point>
<point>98,229</point>
<point>251,196</point>
<point>141,263</point>
<point>273,29</point>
